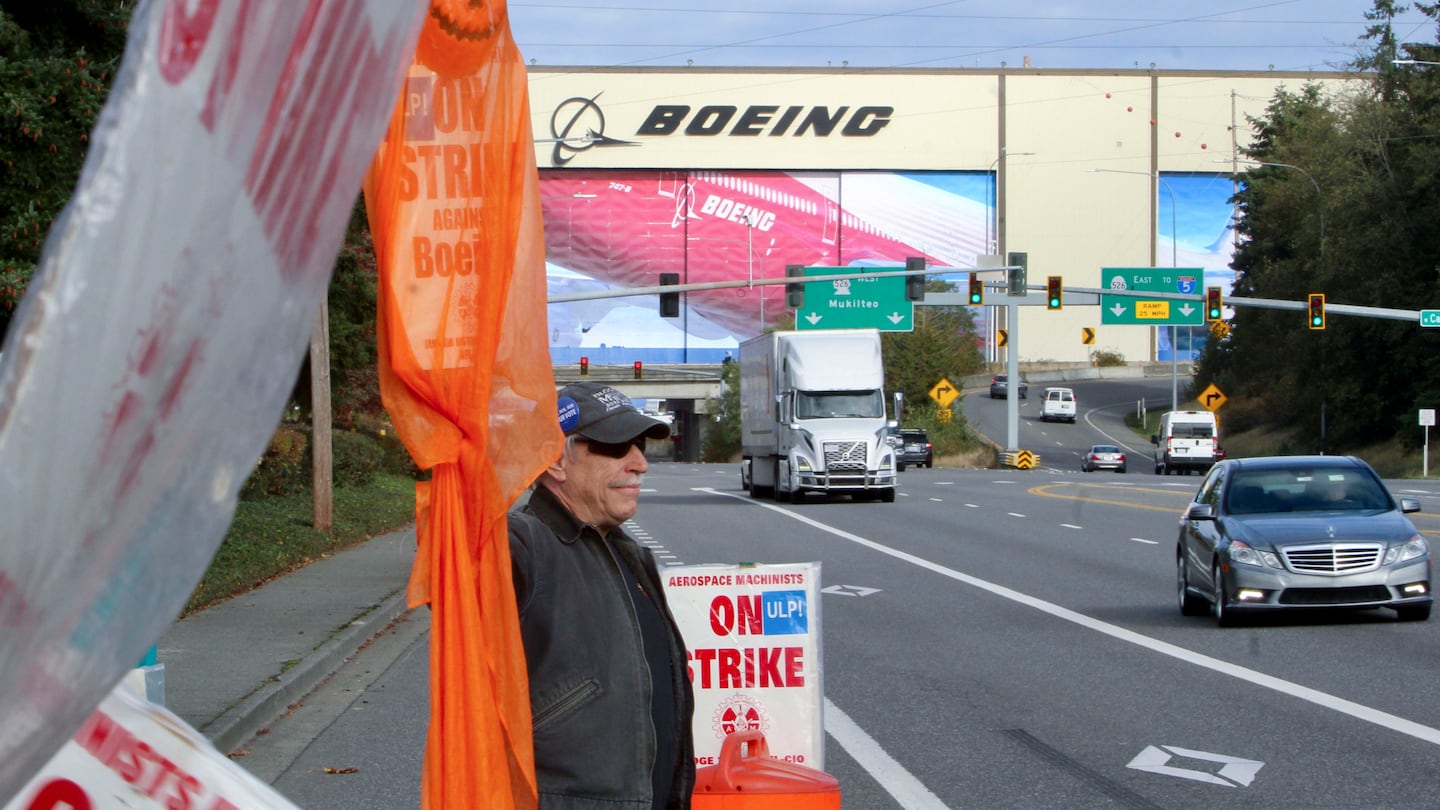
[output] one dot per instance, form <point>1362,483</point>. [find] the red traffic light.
<point>584,366</point>
<point>639,370</point>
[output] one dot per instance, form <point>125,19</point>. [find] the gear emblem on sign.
<point>739,713</point>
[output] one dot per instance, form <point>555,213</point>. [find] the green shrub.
<point>283,470</point>
<point>356,458</point>
<point>1107,357</point>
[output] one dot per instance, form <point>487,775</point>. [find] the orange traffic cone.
<point>748,778</point>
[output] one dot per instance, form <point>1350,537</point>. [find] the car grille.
<point>1335,596</point>
<point>1335,559</point>
<point>845,456</point>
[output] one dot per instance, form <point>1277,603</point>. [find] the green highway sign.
<point>856,303</point>
<point>1128,310</point>
<point>1430,317</point>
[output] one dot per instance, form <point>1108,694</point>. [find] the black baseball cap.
<point>604,414</point>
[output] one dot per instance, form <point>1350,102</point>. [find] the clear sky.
<point>1170,34</point>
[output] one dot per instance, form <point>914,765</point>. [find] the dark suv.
<point>916,448</point>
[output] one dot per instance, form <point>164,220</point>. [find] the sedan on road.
<point>1103,457</point>
<point>1292,532</point>
<point>1000,387</point>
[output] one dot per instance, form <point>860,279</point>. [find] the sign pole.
<point>1427,418</point>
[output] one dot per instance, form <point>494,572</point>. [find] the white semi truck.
<point>812,415</point>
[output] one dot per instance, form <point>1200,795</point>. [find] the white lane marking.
<point>907,791</point>
<point>1236,771</point>
<point>938,500</point>
<point>973,505</point>
<point>1143,540</point>
<point>1070,526</point>
<point>1014,514</point>
<point>1247,676</point>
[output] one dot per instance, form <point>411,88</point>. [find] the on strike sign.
<point>132,753</point>
<point>752,637</point>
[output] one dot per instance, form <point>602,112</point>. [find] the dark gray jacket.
<point>589,683</point>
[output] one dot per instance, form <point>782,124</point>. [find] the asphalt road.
<point>1018,645</point>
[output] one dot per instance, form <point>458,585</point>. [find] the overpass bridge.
<point>683,387</point>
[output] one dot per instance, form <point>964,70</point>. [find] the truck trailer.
<point>812,415</point>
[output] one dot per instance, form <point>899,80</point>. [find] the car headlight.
<point>1242,553</point>
<point>1414,547</point>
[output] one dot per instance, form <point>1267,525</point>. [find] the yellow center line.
<point>1042,490</point>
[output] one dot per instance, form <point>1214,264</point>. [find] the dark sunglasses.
<point>614,449</point>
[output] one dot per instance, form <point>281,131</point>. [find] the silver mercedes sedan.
<point>1292,532</point>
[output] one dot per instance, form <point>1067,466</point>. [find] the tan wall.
<point>1071,220</point>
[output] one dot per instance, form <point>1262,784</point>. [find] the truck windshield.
<point>1190,430</point>
<point>839,404</point>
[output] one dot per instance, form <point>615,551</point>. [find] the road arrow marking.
<point>849,590</point>
<point>813,318</point>
<point>1236,772</point>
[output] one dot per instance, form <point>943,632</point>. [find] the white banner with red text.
<point>752,636</point>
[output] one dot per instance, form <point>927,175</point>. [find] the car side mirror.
<point>1200,511</point>
<point>1155,439</point>
<point>1409,505</point>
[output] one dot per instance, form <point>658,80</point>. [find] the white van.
<point>1187,441</point>
<point>1058,404</point>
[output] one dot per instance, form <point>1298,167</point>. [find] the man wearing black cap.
<point>609,694</point>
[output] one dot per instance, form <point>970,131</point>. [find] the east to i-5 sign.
<point>1134,310</point>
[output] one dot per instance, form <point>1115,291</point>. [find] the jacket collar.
<point>553,514</point>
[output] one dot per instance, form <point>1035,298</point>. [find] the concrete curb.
<point>261,708</point>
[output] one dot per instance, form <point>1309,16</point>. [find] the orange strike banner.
<point>453,200</point>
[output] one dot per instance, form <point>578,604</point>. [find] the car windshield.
<point>1104,448</point>
<point>839,404</point>
<point>1297,489</point>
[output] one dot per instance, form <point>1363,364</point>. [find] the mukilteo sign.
<point>579,124</point>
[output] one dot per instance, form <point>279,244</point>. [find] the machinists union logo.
<point>739,713</point>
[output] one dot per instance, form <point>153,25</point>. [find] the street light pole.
<point>992,247</point>
<point>750,264</point>
<point>1174,262</point>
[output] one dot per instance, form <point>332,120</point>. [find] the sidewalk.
<point>233,668</point>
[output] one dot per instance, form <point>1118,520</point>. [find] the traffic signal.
<point>639,370</point>
<point>1020,261</point>
<point>915,285</point>
<point>1054,293</point>
<point>1317,310</point>
<point>977,291</point>
<point>669,301</point>
<point>1212,304</point>
<point>584,366</point>
<point>794,291</point>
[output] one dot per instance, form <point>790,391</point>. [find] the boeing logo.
<point>574,115</point>
<point>578,114</point>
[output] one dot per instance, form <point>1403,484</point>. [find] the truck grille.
<point>843,457</point>
<point>1333,558</point>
